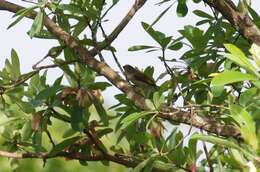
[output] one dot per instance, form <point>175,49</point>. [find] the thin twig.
<point>100,46</point>
<point>211,168</point>
<point>112,52</point>
<point>19,81</point>
<point>29,1</point>
<point>171,72</point>
<point>34,67</point>
<point>50,137</point>
<point>55,65</point>
<point>94,39</point>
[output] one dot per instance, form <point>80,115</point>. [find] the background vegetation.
<point>213,86</point>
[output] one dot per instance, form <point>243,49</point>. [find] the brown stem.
<point>211,168</point>
<point>203,123</point>
<point>121,159</point>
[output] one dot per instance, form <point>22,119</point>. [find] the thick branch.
<point>204,123</point>
<point>103,69</point>
<point>240,20</point>
<point>120,159</point>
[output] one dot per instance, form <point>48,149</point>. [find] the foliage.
<point>219,83</point>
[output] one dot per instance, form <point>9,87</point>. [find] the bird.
<point>140,79</point>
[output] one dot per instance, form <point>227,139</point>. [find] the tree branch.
<point>103,69</point>
<point>110,38</point>
<point>240,20</point>
<point>204,123</point>
<point>120,159</point>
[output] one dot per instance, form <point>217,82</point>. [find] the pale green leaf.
<point>246,124</point>
<point>229,77</point>
<point>37,24</point>
<point>130,119</point>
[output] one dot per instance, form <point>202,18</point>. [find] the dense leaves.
<point>217,79</point>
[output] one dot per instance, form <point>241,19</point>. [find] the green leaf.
<point>192,150</point>
<point>182,9</point>
<point>115,2</point>
<point>238,157</point>
<point>26,107</point>
<point>37,24</point>
<point>247,96</point>
<point>48,92</point>
<point>161,15</point>
<point>196,1</point>
<point>99,4</point>
<point>150,104</point>
<point>140,47</point>
<point>175,46</point>
<point>177,154</point>
<point>63,145</point>
<point>149,71</point>
<point>239,58</point>
<point>253,13</point>
<point>229,77</point>
<point>101,111</point>
<point>165,166</point>
<point>222,142</point>
<point>246,124</point>
<point>15,63</point>
<point>44,34</point>
<point>142,165</point>
<point>74,9</point>
<point>255,51</point>
<point>158,99</point>
<point>80,27</point>
<point>165,41</point>
<point>27,131</point>
<point>22,13</point>
<point>14,164</point>
<point>103,132</point>
<point>8,67</point>
<point>130,119</point>
<point>202,14</point>
<point>37,141</point>
<point>171,136</point>
<point>78,122</point>
<point>7,121</point>
<point>98,85</point>
<point>156,35</point>
<point>70,75</point>
<point>195,36</point>
<point>68,133</point>
<point>216,140</point>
